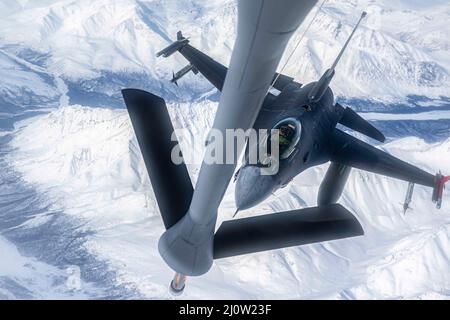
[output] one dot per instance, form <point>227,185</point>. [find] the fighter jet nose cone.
<point>252,188</point>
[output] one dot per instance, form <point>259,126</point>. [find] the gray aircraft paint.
<point>264,29</point>
<point>190,244</point>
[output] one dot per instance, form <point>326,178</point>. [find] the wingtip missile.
<point>174,80</point>
<point>408,198</point>
<point>439,187</point>
<point>173,47</point>
<point>180,74</point>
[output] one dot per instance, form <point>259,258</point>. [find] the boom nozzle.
<point>178,284</point>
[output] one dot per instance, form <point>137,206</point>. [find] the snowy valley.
<point>74,194</point>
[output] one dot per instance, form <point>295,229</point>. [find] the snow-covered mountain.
<point>74,195</point>
<point>401,51</point>
<point>87,164</point>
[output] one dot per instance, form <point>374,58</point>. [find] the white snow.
<point>90,166</point>
<point>432,115</point>
<point>22,277</point>
<point>17,80</point>
<point>401,49</point>
<point>86,160</point>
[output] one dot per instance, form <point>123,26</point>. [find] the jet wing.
<point>353,152</point>
<point>212,70</point>
<point>285,229</point>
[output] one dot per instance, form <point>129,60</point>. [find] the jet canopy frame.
<point>290,132</point>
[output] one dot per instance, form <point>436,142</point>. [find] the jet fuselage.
<point>317,121</point>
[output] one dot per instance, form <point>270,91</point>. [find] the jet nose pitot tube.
<point>252,187</point>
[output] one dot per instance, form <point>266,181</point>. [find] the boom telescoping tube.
<point>264,29</point>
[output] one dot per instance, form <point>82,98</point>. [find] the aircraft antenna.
<point>299,41</point>
<point>363,15</point>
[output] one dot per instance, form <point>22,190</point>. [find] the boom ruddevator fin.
<point>154,132</point>
<point>285,229</point>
